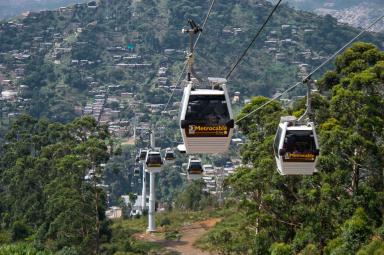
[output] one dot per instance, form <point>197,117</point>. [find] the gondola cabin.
<point>206,119</point>
<point>136,171</point>
<point>194,169</point>
<point>169,155</point>
<point>153,161</point>
<point>143,155</point>
<point>181,148</point>
<point>92,5</point>
<point>296,147</point>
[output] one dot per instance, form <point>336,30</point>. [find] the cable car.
<point>169,155</point>
<point>153,161</point>
<point>136,171</point>
<point>194,168</point>
<point>181,148</point>
<point>206,118</point>
<point>296,147</point>
<point>143,155</point>
<point>92,5</point>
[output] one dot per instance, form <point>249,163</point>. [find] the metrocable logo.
<point>207,129</point>
<point>296,155</point>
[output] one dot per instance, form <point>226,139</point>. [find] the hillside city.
<point>89,86</point>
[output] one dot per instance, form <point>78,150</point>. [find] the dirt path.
<point>190,234</point>
<point>128,141</point>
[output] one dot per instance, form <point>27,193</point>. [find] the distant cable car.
<point>181,148</point>
<point>169,155</point>
<point>194,168</point>
<point>92,5</point>
<point>206,118</point>
<point>143,155</point>
<point>153,161</point>
<point>136,171</point>
<point>296,147</point>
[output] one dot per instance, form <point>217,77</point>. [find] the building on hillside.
<point>114,212</point>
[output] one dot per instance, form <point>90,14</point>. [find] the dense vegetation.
<point>339,210</point>
<point>45,197</point>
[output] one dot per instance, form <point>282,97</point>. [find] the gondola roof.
<point>208,92</point>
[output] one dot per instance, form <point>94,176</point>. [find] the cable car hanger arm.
<point>308,111</point>
<point>194,47</point>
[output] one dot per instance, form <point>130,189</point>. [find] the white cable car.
<point>143,155</point>
<point>169,155</point>
<point>153,161</point>
<point>92,5</point>
<point>296,147</point>
<point>194,169</point>
<point>206,118</point>
<point>136,171</point>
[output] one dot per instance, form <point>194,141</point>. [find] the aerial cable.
<point>253,40</point>
<point>345,46</point>
<point>205,21</point>
<point>194,47</point>
<point>308,110</point>
<point>177,84</point>
<point>308,77</point>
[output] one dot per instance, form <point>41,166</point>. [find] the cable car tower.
<point>141,158</point>
<point>296,146</point>
<point>206,118</point>
<point>153,163</point>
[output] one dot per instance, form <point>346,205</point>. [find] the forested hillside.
<point>45,197</point>
<point>61,55</point>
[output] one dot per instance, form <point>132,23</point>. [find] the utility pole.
<point>152,194</point>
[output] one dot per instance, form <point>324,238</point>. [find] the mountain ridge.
<point>10,9</point>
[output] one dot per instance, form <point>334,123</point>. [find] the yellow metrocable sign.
<point>153,165</point>
<point>299,157</point>
<point>202,130</point>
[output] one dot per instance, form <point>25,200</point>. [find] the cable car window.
<point>277,141</point>
<point>195,165</point>
<point>154,159</point>
<point>299,143</point>
<point>143,154</point>
<point>169,155</point>
<point>207,109</point>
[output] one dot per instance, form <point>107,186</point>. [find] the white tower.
<point>144,190</point>
<point>152,192</point>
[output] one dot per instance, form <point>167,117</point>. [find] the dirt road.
<point>190,234</point>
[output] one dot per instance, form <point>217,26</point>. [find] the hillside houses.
<point>280,42</point>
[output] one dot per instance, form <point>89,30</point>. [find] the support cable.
<point>313,72</point>
<point>194,47</point>
<point>253,40</point>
